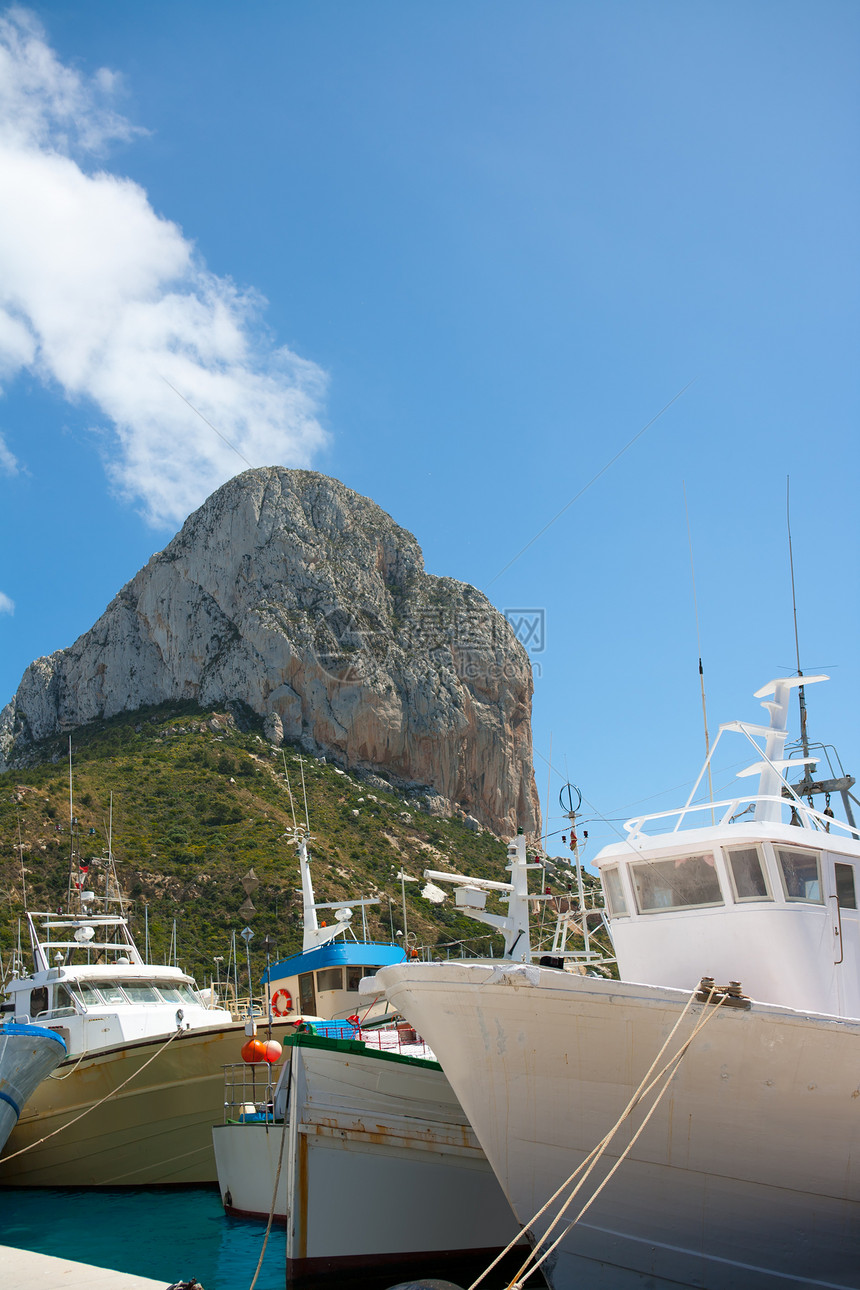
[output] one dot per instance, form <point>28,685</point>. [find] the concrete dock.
<point>24,1270</point>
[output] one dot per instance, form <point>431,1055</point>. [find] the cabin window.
<point>110,992</point>
<point>38,1001</point>
<point>330,979</point>
<point>180,993</point>
<point>65,1004</point>
<point>353,978</point>
<point>615,898</point>
<point>307,998</point>
<point>86,994</point>
<point>846,892</point>
<point>747,873</point>
<point>681,883</point>
<point>140,992</point>
<point>801,875</point>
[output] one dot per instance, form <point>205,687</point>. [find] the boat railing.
<point>730,808</point>
<point>249,1093</point>
<point>243,1007</point>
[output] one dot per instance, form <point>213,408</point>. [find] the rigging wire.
<point>699,645</point>
<point>801,694</point>
<point>21,858</point>
<point>289,790</point>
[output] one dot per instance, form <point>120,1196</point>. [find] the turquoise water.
<point>168,1235</point>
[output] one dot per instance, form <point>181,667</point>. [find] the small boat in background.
<point>322,980</point>
<point>145,1047</point>
<point>28,1054</point>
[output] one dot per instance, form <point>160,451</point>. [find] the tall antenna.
<point>801,695</point>
<point>548,788</point>
<point>289,790</point>
<point>71,832</point>
<point>21,858</point>
<point>699,646</point>
<point>305,793</point>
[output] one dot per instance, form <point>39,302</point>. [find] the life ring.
<point>279,998</point>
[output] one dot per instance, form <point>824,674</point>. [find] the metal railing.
<point>730,807</point>
<point>249,1092</point>
<point>249,1087</point>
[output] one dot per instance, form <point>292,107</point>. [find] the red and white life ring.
<point>282,1003</point>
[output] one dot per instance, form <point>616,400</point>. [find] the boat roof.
<point>641,845</point>
<point>336,954</point>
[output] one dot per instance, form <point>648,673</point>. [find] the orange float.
<point>254,1051</point>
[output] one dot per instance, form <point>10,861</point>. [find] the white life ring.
<point>282,1003</point>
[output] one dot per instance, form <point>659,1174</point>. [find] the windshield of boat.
<point>91,994</point>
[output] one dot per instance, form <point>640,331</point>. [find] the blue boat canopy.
<point>336,954</point>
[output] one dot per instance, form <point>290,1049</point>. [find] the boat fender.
<point>282,1003</point>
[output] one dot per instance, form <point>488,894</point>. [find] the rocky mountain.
<point>290,593</point>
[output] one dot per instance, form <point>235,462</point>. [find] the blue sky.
<point>457,255</point>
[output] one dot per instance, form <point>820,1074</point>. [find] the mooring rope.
<point>95,1105</point>
<point>81,1057</point>
<point>587,1165</point>
<point>532,1263</point>
<point>277,1176</point>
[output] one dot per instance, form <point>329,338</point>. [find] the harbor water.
<point>169,1235</point>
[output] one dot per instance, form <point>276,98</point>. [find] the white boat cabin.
<point>763,889</point>
<point>91,987</point>
<point>324,982</point>
<point>322,979</point>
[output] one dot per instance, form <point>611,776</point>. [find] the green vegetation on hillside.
<point>199,798</point>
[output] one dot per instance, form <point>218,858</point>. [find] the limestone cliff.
<point>304,600</point>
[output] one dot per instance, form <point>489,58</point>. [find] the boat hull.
<point>381,1173</point>
<point>749,1172</point>
<point>155,1131</point>
<point>27,1055</point>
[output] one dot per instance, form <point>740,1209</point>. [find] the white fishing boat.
<point>363,1149</point>
<point>379,1172</point>
<point>134,1099</point>
<point>698,1122</point>
<point>322,980</point>
<point>27,1055</point>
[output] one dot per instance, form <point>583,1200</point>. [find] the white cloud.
<point>105,298</point>
<point>7,605</point>
<point>8,461</point>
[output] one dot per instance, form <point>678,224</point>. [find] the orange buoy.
<point>254,1051</point>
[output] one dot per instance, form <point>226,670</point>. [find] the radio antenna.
<point>699,646</point>
<point>21,858</point>
<point>801,696</point>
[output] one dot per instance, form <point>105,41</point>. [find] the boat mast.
<point>566,800</point>
<point>808,786</point>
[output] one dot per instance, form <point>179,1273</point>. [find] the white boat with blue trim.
<point>363,1149</point>
<point>28,1054</point>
